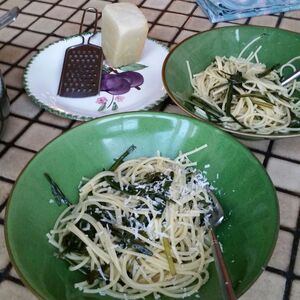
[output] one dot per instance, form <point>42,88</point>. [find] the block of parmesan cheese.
<point>124,32</point>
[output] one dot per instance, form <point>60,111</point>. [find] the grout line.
<point>279,20</point>
<point>190,15</point>
<point>287,229</point>
<point>7,180</point>
<point>271,155</point>
<point>293,255</point>
<point>3,205</point>
<point>4,275</point>
<point>268,154</point>
<point>5,272</point>
<point>14,280</point>
<point>47,35</point>
<point>276,271</point>
<point>292,193</point>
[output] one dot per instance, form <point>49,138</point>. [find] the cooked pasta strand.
<point>142,236</point>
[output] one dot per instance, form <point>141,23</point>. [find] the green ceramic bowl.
<point>278,46</point>
<point>248,233</point>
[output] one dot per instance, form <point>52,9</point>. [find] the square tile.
<point>29,39</point>
<point>60,12</point>
<point>282,253</point>
<point>26,59</point>
<point>23,21</point>
<point>7,33</point>
<point>199,12</point>
<point>181,7</point>
<point>13,162</point>
<point>8,288</point>
<point>14,273</point>
<point>11,54</point>
<point>136,2</point>
<point>51,1</point>
<point>264,21</point>
<point>37,136</point>
<point>45,25</point>
<point>240,21</point>
<point>48,41</point>
<point>295,291</point>
<point>2,214</point>
<point>13,128</point>
<point>4,67</point>
<point>88,18</point>
<point>198,24</point>
<point>224,24</point>
<point>4,257</point>
<point>72,3</point>
<point>172,19</point>
<point>261,145</point>
<point>12,3</point>
<point>289,24</point>
<point>163,33</point>
<point>293,14</point>
<point>269,286</point>
<point>184,34</point>
<point>297,263</point>
<point>24,106</point>
<point>53,119</point>
<point>158,4</point>
<point>2,11</point>
<point>289,207</point>
<point>287,148</point>
<point>12,94</point>
<point>259,156</point>
<point>68,29</point>
<point>37,8</point>
<point>284,174</point>
<point>5,189</point>
<point>150,14</point>
<point>2,146</point>
<point>14,78</point>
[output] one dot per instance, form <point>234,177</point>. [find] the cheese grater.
<point>82,67</point>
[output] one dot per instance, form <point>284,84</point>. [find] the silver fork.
<point>215,217</point>
<point>291,78</point>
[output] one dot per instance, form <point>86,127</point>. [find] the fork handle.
<point>291,78</point>
<point>224,279</point>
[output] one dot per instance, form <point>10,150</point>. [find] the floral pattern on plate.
<point>117,82</point>
<point>42,74</point>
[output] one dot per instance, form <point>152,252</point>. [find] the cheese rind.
<point>124,32</point>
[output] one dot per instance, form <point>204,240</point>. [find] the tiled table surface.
<point>30,128</point>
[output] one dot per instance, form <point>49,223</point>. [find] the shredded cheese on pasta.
<point>137,244</point>
<point>259,104</point>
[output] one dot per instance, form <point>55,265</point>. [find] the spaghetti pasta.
<point>243,94</point>
<point>138,229</point>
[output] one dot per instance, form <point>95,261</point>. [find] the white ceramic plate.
<point>42,76</point>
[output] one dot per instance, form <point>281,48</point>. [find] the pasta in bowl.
<point>142,243</point>
<point>139,229</point>
<point>236,83</point>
